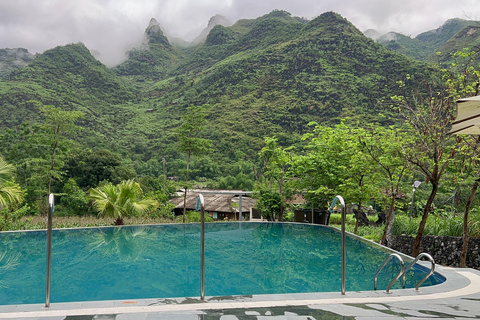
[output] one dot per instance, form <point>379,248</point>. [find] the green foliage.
<point>264,77</point>
<point>437,225</point>
<point>12,220</point>
<point>412,47</point>
<point>73,200</point>
<point>241,181</point>
<point>188,134</point>
<point>193,217</point>
<point>269,203</point>
<point>124,199</point>
<point>438,45</point>
<point>10,193</point>
<point>13,59</point>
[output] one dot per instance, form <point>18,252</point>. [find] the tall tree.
<point>190,141</point>
<point>469,165</point>
<point>385,146</point>
<point>321,169</point>
<point>276,162</point>
<point>429,116</point>
<point>361,182</point>
<point>465,82</point>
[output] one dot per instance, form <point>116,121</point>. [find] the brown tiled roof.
<point>215,202</point>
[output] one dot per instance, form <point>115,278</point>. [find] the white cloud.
<point>112,26</point>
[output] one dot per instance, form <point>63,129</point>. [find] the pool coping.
<point>460,282</point>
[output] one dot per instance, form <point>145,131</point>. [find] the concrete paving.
<point>456,298</point>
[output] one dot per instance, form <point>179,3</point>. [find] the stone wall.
<point>445,250</point>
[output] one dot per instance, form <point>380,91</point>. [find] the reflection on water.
<point>164,262</point>
<point>7,262</point>
<point>126,243</point>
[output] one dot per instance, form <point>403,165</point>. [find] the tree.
<point>59,125</point>
<point>276,161</point>
<point>469,160</point>
<point>122,200</point>
<point>269,202</point>
<point>89,167</point>
<point>189,140</point>
<point>465,82</point>
<point>429,116</point>
<point>10,194</point>
<point>322,168</point>
<point>361,181</point>
<point>385,146</point>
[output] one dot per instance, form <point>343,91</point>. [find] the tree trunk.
<point>388,219</point>
<point>357,217</point>
<point>421,227</point>
<point>463,255</point>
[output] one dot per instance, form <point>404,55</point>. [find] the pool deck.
<point>456,298</point>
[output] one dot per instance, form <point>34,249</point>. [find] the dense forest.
<point>279,104</point>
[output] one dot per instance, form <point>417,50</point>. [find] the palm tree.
<point>124,199</point>
<point>9,193</point>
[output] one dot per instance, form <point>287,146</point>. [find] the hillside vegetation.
<point>437,45</point>
<point>266,77</point>
<point>261,77</point>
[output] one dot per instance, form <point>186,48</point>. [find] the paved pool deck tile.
<point>457,298</point>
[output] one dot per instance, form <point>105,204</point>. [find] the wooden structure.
<point>219,204</point>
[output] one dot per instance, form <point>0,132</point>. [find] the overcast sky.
<point>113,26</point>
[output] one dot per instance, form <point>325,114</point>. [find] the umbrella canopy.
<point>468,116</point>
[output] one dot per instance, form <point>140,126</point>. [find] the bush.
<point>447,225</point>
<point>193,216</point>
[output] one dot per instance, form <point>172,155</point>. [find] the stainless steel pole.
<point>240,207</point>
<point>49,249</point>
<point>344,215</point>
<point>202,253</point>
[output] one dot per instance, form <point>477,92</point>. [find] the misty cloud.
<point>114,26</point>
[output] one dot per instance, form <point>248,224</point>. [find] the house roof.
<point>216,200</point>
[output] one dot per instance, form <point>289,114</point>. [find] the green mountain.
<point>468,37</point>
<point>454,35</point>
<point>411,47</point>
<point>259,77</point>
<point>154,59</point>
<point>438,37</point>
<point>12,59</point>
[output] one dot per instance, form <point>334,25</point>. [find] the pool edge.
<point>460,282</point>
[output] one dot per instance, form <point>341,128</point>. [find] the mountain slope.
<point>261,77</point>
<point>154,59</point>
<point>468,37</point>
<point>425,45</point>
<point>322,71</point>
<point>13,59</point>
<point>405,45</point>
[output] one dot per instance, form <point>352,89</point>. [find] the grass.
<point>373,233</point>
<point>38,222</point>
<point>446,225</point>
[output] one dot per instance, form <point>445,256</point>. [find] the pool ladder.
<point>403,270</point>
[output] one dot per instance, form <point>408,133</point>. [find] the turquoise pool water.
<point>163,261</point>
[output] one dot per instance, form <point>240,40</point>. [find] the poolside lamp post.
<point>415,185</point>
<point>201,206</point>
<point>344,215</point>
<point>49,248</point>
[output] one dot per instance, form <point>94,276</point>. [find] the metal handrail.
<point>344,214</point>
<point>432,269</point>
<point>393,255</point>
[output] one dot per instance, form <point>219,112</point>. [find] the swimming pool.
<point>160,261</point>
